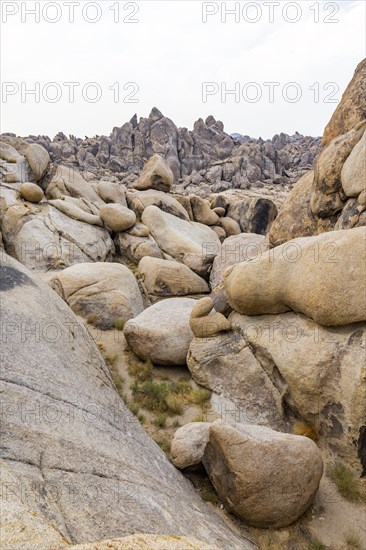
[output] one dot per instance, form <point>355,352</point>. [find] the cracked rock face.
<point>86,466</point>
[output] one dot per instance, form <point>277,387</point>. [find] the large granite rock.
<point>189,444</point>
<point>38,159</point>
<point>156,174</point>
<point>102,293</point>
<point>162,333</point>
<point>84,467</point>
<point>353,173</point>
<point>322,277</point>
<point>318,371</point>
<point>225,364</point>
<point>170,278</point>
<point>267,478</point>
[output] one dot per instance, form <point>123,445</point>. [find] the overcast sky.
<point>288,63</point>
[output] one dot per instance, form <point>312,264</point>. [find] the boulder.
<point>352,108</point>
<point>230,226</point>
<point>88,469</point>
<point>267,478</point>
<point>353,173</point>
<point>206,323</point>
<point>191,243</point>
<point>31,192</point>
<point>162,333</point>
<point>253,214</point>
<point>102,293</point>
<point>225,364</point>
<point>189,443</point>
<point>236,249</point>
<point>139,200</point>
<point>170,278</point>
<point>8,153</point>
<point>156,174</point>
<point>112,192</point>
<point>117,217</point>
<point>319,276</point>
<point>202,212</point>
<point>319,372</point>
<point>38,159</point>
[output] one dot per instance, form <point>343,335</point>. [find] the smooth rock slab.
<point>162,333</point>
<point>353,173</point>
<point>267,478</point>
<point>100,292</point>
<point>88,468</point>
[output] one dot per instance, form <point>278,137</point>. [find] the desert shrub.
<point>200,418</point>
<point>134,408</point>
<point>160,420</point>
<point>346,482</point>
<point>316,544</point>
<point>140,371</point>
<point>163,443</point>
<point>199,396</point>
<point>174,404</point>
<point>111,360</point>
<point>353,540</point>
<point>209,496</point>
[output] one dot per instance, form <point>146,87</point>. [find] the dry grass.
<point>353,541</point>
<point>160,420</point>
<point>199,396</point>
<point>347,484</point>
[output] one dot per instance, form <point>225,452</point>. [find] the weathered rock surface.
<point>148,542</point>
<point>102,293</point>
<point>321,276</point>
<point>162,333</point>
<point>117,217</point>
<point>112,192</point>
<point>253,215</point>
<point>31,192</point>
<point>267,478</point>
<point>77,210</point>
<point>235,249</point>
<point>83,461</point>
<point>43,238</point>
<point>189,443</point>
<point>191,243</point>
<point>226,365</point>
<point>352,108</point>
<point>169,278</point>
<point>68,181</point>
<point>133,247</point>
<point>319,372</point>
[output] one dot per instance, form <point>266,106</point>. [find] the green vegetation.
<point>157,397</point>
<point>160,420</point>
<point>209,496</point>
<point>134,408</point>
<point>111,360</point>
<point>200,418</point>
<point>140,371</point>
<point>316,544</point>
<point>347,484</point>
<point>199,396</point>
<point>352,540</point>
<point>119,324</point>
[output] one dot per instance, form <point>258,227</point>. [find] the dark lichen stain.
<point>11,278</point>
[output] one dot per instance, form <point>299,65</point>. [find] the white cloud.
<point>169,53</point>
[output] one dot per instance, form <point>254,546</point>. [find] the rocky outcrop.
<point>102,293</point>
<point>83,466</point>
<point>319,373</point>
<point>352,108</point>
<point>203,159</point>
<point>267,478</point>
<point>321,276</point>
<point>161,333</point>
<point>205,322</point>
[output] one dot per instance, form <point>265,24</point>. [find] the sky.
<point>262,67</point>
